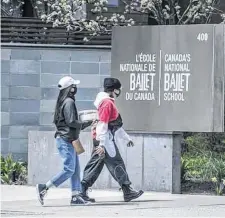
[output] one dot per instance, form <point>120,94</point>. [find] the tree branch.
<point>210,15</point>
<point>185,12</point>
<point>188,19</point>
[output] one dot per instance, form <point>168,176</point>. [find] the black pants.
<point>115,166</point>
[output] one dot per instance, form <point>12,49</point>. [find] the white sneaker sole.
<point>38,195</point>
<point>79,205</point>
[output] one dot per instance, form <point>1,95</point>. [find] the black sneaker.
<point>130,194</point>
<point>77,200</point>
<point>84,194</point>
<point>41,192</point>
<point>87,198</point>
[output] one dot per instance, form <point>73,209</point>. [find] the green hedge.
<point>203,159</point>
<point>13,172</point>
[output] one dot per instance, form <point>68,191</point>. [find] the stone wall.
<point>152,164</point>
<point>29,77</point>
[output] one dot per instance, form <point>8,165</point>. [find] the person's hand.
<point>94,124</point>
<point>100,150</point>
<point>86,124</point>
<point>130,144</point>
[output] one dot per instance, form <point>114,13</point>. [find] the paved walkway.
<point>21,201</point>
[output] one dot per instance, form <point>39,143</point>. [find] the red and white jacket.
<point>107,111</point>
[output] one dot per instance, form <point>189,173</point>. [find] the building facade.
<point>29,88</point>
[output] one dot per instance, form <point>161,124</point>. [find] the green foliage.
<point>206,169</point>
<point>193,167</point>
<point>196,144</point>
<point>204,159</point>
<point>184,169</point>
<point>13,172</point>
<point>204,142</point>
<point>215,168</point>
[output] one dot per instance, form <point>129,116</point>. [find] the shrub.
<point>205,167</point>
<point>198,142</point>
<point>193,167</point>
<point>13,172</point>
<point>215,169</point>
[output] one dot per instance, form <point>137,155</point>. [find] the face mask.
<point>117,92</point>
<point>73,91</point>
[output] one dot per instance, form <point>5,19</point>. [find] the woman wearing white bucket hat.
<point>68,130</point>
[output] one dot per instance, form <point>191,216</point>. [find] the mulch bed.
<point>198,188</point>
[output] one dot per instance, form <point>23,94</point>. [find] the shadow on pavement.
<point>110,203</point>
<point>139,201</point>
<point>148,208</point>
<point>21,213</point>
<point>211,205</point>
<point>94,204</point>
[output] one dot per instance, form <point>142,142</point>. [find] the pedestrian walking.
<point>67,130</point>
<point>107,132</point>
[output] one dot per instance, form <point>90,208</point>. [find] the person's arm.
<point>121,134</point>
<point>70,112</point>
<point>102,126</point>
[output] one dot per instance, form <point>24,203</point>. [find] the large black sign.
<point>172,77</point>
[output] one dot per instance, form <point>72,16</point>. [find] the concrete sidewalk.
<point>21,201</point>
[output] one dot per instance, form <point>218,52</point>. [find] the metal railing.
<point>35,31</point>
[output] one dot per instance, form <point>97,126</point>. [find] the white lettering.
<point>133,67</point>
<point>129,96</point>
<point>152,67</point>
<point>144,96</point>
<point>166,82</point>
<point>142,81</point>
<point>176,81</point>
<point>145,58</point>
<point>132,81</point>
<point>177,68</point>
<point>177,57</point>
<point>174,96</point>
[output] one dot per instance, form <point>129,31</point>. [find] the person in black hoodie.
<point>68,129</point>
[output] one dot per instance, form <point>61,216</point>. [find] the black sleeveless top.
<point>115,124</point>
